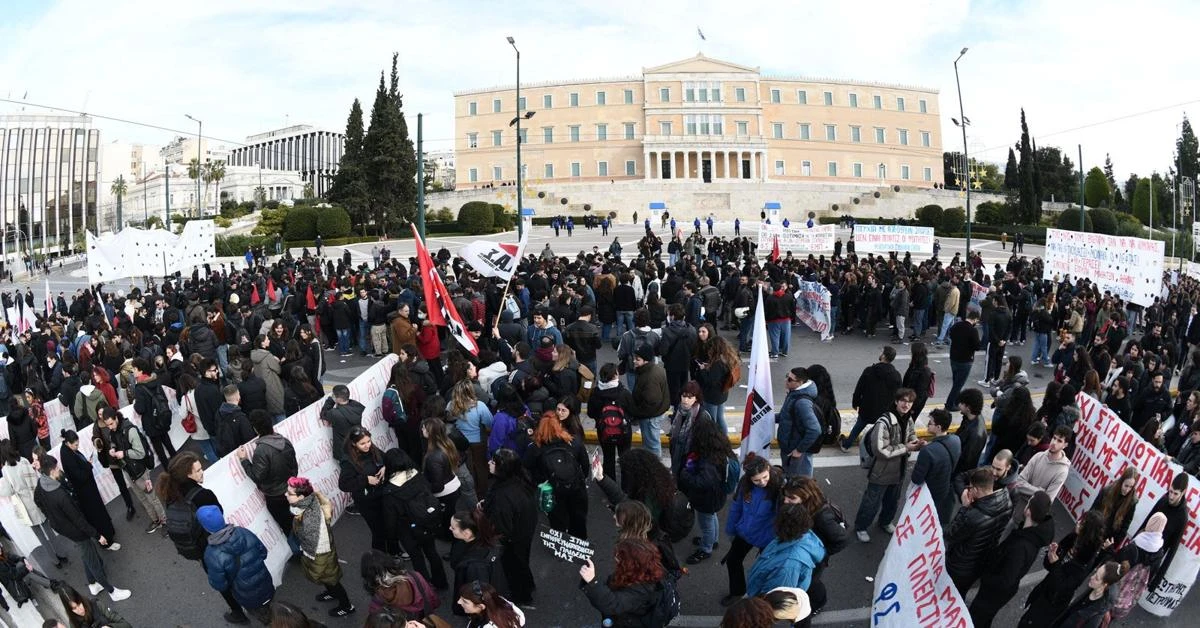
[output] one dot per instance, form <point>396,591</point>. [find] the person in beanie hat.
<point>235,561</point>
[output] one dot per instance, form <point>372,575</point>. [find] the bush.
<point>1069,221</point>
<point>475,218</point>
<point>332,222</point>
<point>222,222</point>
<point>444,214</point>
<point>501,220</point>
<point>954,219</point>
<point>271,204</point>
<point>301,223</point>
<point>1131,229</point>
<point>271,221</point>
<point>990,213</point>
<point>1103,220</point>
<point>930,215</point>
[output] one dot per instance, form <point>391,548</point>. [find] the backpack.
<point>732,377</point>
<point>425,598</point>
<point>613,427</point>
<point>587,380</point>
<point>393,408</point>
<point>148,462</point>
<point>932,382</point>
<point>866,447</point>
<point>733,474</point>
<point>424,513</point>
<point>677,520</point>
<point>666,608</point>
<point>1131,585</point>
<point>184,529</point>
<point>828,431</point>
<point>562,470</point>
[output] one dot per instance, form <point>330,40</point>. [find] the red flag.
<point>309,300</point>
<point>437,299</point>
<point>254,298</point>
<point>271,288</point>
<point>775,250</point>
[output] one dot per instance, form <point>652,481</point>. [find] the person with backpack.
<point>877,384</point>
<point>688,413</point>
<point>609,406</point>
<point>703,479</point>
<point>511,507</point>
<point>472,417</point>
<point>935,464</point>
<point>800,427</point>
<point>1093,608</point>
<point>362,475</point>
<point>634,595</point>
<point>150,403</point>
<point>400,594</point>
<point>179,487</point>
<point>440,470</point>
<point>828,524</point>
<point>233,426</point>
<point>318,554</point>
<point>273,462</point>
<point>583,336</point>
<point>631,339</point>
<point>412,514</point>
<point>131,449</point>
<point>750,519</point>
<point>557,458</point>
<point>884,452</point>
<point>235,561</point>
<point>64,516</point>
<point>401,406</point>
<point>341,414</point>
<point>472,554</point>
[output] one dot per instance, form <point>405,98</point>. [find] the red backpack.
<point>613,427</point>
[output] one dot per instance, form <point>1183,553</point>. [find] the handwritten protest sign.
<point>813,307</point>
<point>978,294</point>
<point>564,546</point>
<point>1130,268</point>
<point>899,238</point>
<point>799,239</point>
<point>912,587</point>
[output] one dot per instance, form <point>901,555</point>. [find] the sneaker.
<point>342,611</point>
<point>238,618</point>
<point>863,537</point>
<point>696,542</point>
<point>153,527</point>
<point>352,509</point>
<point>984,382</point>
<point>112,547</point>
<point>324,596</point>
<point>95,588</point>
<point>890,528</point>
<point>119,594</point>
<point>698,557</point>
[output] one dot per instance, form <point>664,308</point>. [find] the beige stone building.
<point>704,120</point>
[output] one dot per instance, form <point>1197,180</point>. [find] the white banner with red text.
<point>813,308</point>
<point>888,238</point>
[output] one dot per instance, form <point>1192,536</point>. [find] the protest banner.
<point>798,239</point>
<point>886,238</point>
<point>912,587</point>
<point>1130,268</point>
<point>978,294</point>
<point>564,546</point>
<point>813,307</point>
<point>1105,446</point>
<point>1191,269</point>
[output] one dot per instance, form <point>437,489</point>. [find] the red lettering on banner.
<point>953,618</point>
<point>1073,503</point>
<point>1086,438</point>
<point>904,529</point>
<point>1160,471</point>
<point>1106,454</point>
<point>1112,430</point>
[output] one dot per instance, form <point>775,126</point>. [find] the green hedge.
<point>301,224</point>
<point>332,222</point>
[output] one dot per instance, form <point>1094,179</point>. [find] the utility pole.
<point>1081,227</point>
<point>966,159</point>
<point>167,185</point>
<point>517,108</point>
<point>421,176</point>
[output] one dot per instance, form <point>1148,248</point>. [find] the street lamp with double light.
<point>517,121</point>
<point>966,160</point>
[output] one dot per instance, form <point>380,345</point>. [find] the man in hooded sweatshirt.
<point>342,414</point>
<point>799,427</point>
<point>233,426</point>
<point>873,393</point>
<point>235,561</point>
<point>1004,568</point>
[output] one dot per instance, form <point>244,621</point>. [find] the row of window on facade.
<point>709,125</point>
<point>705,92</point>
<point>780,170</point>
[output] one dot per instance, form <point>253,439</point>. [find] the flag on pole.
<point>254,298</point>
<point>49,301</point>
<point>758,422</point>
<point>493,259</point>
<point>775,250</point>
<point>309,300</point>
<point>437,298</point>
<point>28,320</point>
<point>271,288</point>
<point>701,34</point>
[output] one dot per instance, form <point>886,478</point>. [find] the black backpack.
<point>678,518</point>
<point>613,427</point>
<point>130,464</point>
<point>424,513</point>
<point>561,467</point>
<point>666,607</point>
<point>184,529</point>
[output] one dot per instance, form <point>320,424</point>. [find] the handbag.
<point>189,421</point>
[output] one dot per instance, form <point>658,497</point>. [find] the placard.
<point>813,307</point>
<point>797,239</point>
<point>887,238</point>
<point>912,587</point>
<point>154,253</point>
<point>1130,268</point>
<point>978,294</point>
<point>564,546</point>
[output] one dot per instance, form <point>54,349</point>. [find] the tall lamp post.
<point>517,121</point>
<point>963,125</point>
<point>200,137</point>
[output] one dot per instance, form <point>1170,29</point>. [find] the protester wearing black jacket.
<point>873,394</point>
<point>1004,568</point>
<point>976,529</point>
<point>511,506</point>
<point>273,463</point>
<point>611,391</point>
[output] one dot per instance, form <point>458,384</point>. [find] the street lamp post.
<point>199,139</point>
<point>966,159</point>
<point>520,220</point>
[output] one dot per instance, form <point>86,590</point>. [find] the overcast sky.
<point>1120,70</point>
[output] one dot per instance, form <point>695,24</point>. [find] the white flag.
<point>493,259</point>
<point>49,301</point>
<point>758,422</point>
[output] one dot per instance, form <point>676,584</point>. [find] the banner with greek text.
<point>1105,445</point>
<point>912,587</point>
<point>978,294</point>
<point>798,239</point>
<point>1130,268</point>
<point>886,238</point>
<point>813,308</point>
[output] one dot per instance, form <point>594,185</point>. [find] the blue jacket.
<point>754,521</point>
<point>785,564</point>
<point>251,580</point>
<point>799,428</point>
<point>471,421</point>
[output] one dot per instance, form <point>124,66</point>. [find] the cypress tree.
<point>1028,194</point>
<point>403,151</point>
<point>380,157</point>
<point>1012,174</point>
<point>349,185</point>
<point>1037,184</point>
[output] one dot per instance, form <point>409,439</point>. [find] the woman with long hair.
<point>826,525</point>
<point>567,411</point>
<point>1116,503</point>
<point>629,595</point>
<point>791,558</point>
<point>363,476</point>
<point>1091,385</point>
<point>403,404</point>
<point>563,378</point>
<point>1092,606</point>
<point>486,608</point>
<point>689,413</point>
<point>826,398</point>
<point>643,479</point>
<point>918,376</point>
<point>299,393</point>
<point>78,469</point>
<point>750,519</point>
<point>1049,408</point>
<point>472,555</point>
<point>702,479</point>
<point>314,515</point>
<point>1010,426</point>
<point>84,612</point>
<point>511,506</point>
<point>18,481</point>
<point>390,585</point>
<point>441,461</point>
<point>472,417</point>
<point>1067,564</point>
<point>714,367</point>
<point>557,457</point>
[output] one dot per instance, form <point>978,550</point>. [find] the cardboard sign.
<point>564,546</point>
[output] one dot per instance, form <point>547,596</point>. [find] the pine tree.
<point>1028,194</point>
<point>1012,173</point>
<point>380,152</point>
<point>1095,188</point>
<point>1187,149</point>
<point>1037,184</point>
<point>1108,172</point>
<point>349,185</point>
<point>405,153</point>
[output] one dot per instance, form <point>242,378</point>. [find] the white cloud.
<point>244,67</point>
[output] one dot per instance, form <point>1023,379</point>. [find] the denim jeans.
<point>93,564</point>
<point>651,435</point>
<point>630,379</point>
<point>717,412</point>
<point>605,331</point>
<point>780,333</point>
<point>961,371</point>
<point>947,321</point>
<point>834,311</point>
<point>624,323</point>
<point>802,466</point>
<point>707,521</point>
<point>859,425</point>
<point>1041,347</point>
<point>364,338</point>
<point>343,336</point>
<point>210,452</point>
<point>918,320</point>
<point>878,498</point>
<point>744,329</point>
